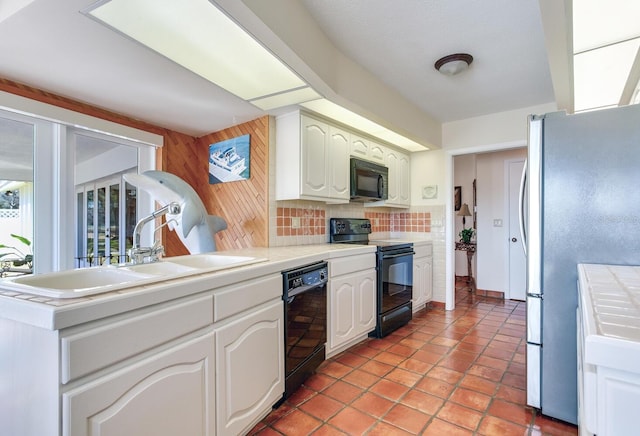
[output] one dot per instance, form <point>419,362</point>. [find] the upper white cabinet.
<point>366,149</point>
<point>399,178</point>
<point>312,159</point>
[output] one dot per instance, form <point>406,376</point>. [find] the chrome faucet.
<point>139,254</point>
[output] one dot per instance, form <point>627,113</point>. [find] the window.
<point>50,164</point>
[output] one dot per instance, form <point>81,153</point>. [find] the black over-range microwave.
<point>369,181</point>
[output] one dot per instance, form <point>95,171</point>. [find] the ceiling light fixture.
<point>200,37</point>
<point>453,64</point>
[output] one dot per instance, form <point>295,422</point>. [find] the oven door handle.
<point>393,256</point>
<point>302,289</point>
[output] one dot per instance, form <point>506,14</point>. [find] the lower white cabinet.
<point>352,301</point>
<point>169,393</point>
<point>422,276</point>
<point>608,346</point>
<point>249,368</point>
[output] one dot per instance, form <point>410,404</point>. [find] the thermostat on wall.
<point>430,192</point>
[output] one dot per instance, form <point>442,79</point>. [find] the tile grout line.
<point>446,325</point>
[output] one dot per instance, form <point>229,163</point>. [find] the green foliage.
<point>466,235</point>
<point>15,256</point>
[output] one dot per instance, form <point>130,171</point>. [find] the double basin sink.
<point>89,281</point>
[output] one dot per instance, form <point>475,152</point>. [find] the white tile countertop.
<point>610,303</point>
<point>54,314</point>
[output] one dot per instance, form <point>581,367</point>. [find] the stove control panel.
<point>349,226</point>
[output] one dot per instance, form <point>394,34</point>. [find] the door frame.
<point>449,242</point>
<point>508,233</point>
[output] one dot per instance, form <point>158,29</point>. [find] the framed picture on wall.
<point>457,197</point>
<point>229,161</point>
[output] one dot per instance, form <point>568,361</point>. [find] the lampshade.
<point>453,64</point>
<point>464,210</point>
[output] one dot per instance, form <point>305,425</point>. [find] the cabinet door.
<point>422,282</point>
<point>377,153</point>
<point>359,147</point>
<point>167,394</point>
<point>315,136</point>
<point>392,164</point>
<point>428,279</point>
<point>366,302</point>
<point>404,179</point>
<point>249,368</point>
<point>339,163</point>
<point>342,322</point>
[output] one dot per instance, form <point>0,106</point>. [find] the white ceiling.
<point>401,40</point>
<point>52,46</point>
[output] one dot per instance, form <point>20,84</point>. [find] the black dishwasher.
<point>305,314</point>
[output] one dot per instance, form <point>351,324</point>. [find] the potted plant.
<point>466,235</point>
<point>16,257</point>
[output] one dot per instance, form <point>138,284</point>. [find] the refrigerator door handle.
<point>521,201</point>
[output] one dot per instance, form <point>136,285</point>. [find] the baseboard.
<point>490,294</point>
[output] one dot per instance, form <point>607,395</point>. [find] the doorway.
<point>496,219</point>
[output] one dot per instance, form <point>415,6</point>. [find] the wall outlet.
<point>497,223</point>
<point>295,222</point>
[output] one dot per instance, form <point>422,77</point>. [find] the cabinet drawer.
<point>234,299</point>
<point>349,264</point>
<point>423,250</point>
<point>95,348</point>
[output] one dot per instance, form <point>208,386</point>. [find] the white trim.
<point>45,111</point>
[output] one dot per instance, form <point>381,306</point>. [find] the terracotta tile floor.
<point>458,372</point>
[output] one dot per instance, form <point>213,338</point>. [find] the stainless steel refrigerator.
<point>583,206</point>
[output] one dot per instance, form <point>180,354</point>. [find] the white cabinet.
<point>351,301</point>
<point>221,383</point>
<point>422,276</point>
<point>338,158</point>
<point>312,159</point>
<point>249,368</point>
<point>399,178</point>
<point>169,393</point>
<point>366,149</point>
<point>608,344</point>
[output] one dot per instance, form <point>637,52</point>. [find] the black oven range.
<point>394,267</point>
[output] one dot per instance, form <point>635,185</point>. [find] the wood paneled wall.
<point>244,204</point>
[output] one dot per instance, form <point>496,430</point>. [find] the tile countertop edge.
<point>90,308</point>
<point>602,350</point>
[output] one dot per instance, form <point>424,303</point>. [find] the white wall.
<point>490,132</point>
<point>500,131</point>
<point>491,255</point>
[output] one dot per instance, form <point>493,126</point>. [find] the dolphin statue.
<point>194,227</point>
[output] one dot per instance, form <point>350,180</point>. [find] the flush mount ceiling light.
<point>201,38</point>
<point>453,64</point>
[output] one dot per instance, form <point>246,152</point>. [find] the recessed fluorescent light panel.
<point>606,38</point>
<point>201,38</point>
<point>345,116</point>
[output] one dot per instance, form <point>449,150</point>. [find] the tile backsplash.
<point>307,222</point>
